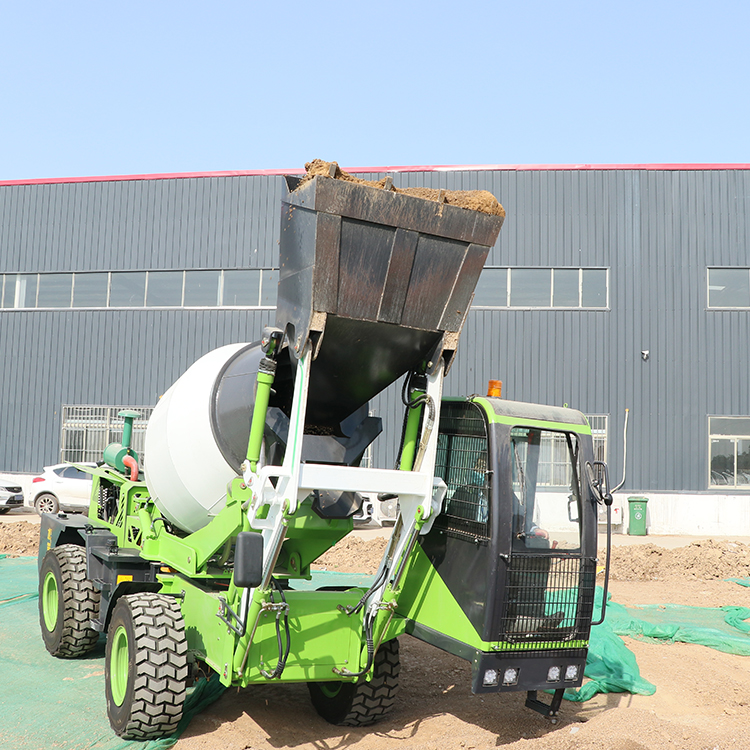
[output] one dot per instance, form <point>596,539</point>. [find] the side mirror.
<point>248,560</point>
<point>598,475</point>
<point>572,510</point>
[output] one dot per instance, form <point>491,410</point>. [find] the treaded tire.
<point>68,602</point>
<point>146,666</point>
<point>46,503</point>
<point>357,704</point>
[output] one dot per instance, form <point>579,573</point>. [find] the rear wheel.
<point>357,704</point>
<point>3,511</point>
<point>68,602</point>
<point>46,503</point>
<point>146,666</point>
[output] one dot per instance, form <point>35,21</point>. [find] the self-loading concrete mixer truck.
<point>200,561</point>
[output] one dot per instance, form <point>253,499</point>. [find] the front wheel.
<point>146,666</point>
<point>357,704</point>
<point>68,602</point>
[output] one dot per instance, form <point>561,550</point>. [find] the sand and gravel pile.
<point>19,539</point>
<point>353,555</point>
<point>705,560</point>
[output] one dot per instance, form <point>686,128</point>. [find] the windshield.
<point>545,477</point>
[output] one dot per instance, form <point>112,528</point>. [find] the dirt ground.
<point>702,700</point>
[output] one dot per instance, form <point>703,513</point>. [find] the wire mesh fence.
<point>87,430</point>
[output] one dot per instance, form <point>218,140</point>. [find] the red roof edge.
<point>370,170</point>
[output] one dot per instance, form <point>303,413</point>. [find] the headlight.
<point>510,676</point>
<point>553,674</point>
<point>491,677</point>
<point>571,672</point>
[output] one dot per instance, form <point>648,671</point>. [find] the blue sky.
<point>105,88</point>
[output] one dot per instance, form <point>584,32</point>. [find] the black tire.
<point>46,503</point>
<point>146,666</point>
<point>3,511</point>
<point>68,602</point>
<point>357,704</point>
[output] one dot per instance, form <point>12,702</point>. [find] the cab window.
<point>545,482</point>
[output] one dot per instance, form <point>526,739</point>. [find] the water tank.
<point>198,433</point>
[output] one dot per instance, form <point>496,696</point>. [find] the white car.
<point>61,487</point>
<point>11,496</point>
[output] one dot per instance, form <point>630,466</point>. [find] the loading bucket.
<point>377,282</point>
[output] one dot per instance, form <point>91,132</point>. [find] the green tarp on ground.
<point>612,667</point>
<point>58,703</point>
<point>722,628</point>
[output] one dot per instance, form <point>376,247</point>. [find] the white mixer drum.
<point>197,435</point>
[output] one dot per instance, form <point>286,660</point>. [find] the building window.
<point>127,289</point>
<point>729,452</point>
<point>164,288</point>
<point>241,288</point>
<point>102,289</point>
<point>202,289</point>
<point>554,463</point>
<point>729,287</point>
<point>19,290</point>
<point>599,428</point>
<point>90,289</point>
<point>268,286</point>
<point>544,288</point>
<point>55,290</point>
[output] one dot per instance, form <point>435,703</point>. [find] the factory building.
<point>622,291</point>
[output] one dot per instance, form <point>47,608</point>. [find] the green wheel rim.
<point>330,689</point>
<point>118,666</point>
<point>50,601</point>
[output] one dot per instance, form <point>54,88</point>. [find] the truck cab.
<point>513,549</point>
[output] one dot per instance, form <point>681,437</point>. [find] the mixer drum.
<point>197,436</point>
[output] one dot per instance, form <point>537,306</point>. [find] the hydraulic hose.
<point>132,464</point>
<point>283,654</point>
<point>370,651</point>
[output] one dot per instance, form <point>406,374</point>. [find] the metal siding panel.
<point>656,232</point>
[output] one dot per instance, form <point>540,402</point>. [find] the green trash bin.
<point>637,524</point>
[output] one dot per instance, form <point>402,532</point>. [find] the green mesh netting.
<point>721,628</point>
<point>59,703</point>
<point>72,690</point>
<point>740,581</point>
<point>610,665</point>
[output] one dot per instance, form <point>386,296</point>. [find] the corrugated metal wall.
<point>655,230</point>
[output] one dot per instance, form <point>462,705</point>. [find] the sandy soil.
<point>702,701</point>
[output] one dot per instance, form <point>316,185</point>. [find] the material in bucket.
<point>388,276</point>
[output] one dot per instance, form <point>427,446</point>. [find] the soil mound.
<point>474,200</point>
<point>704,560</point>
<point>19,539</point>
<point>353,555</point>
